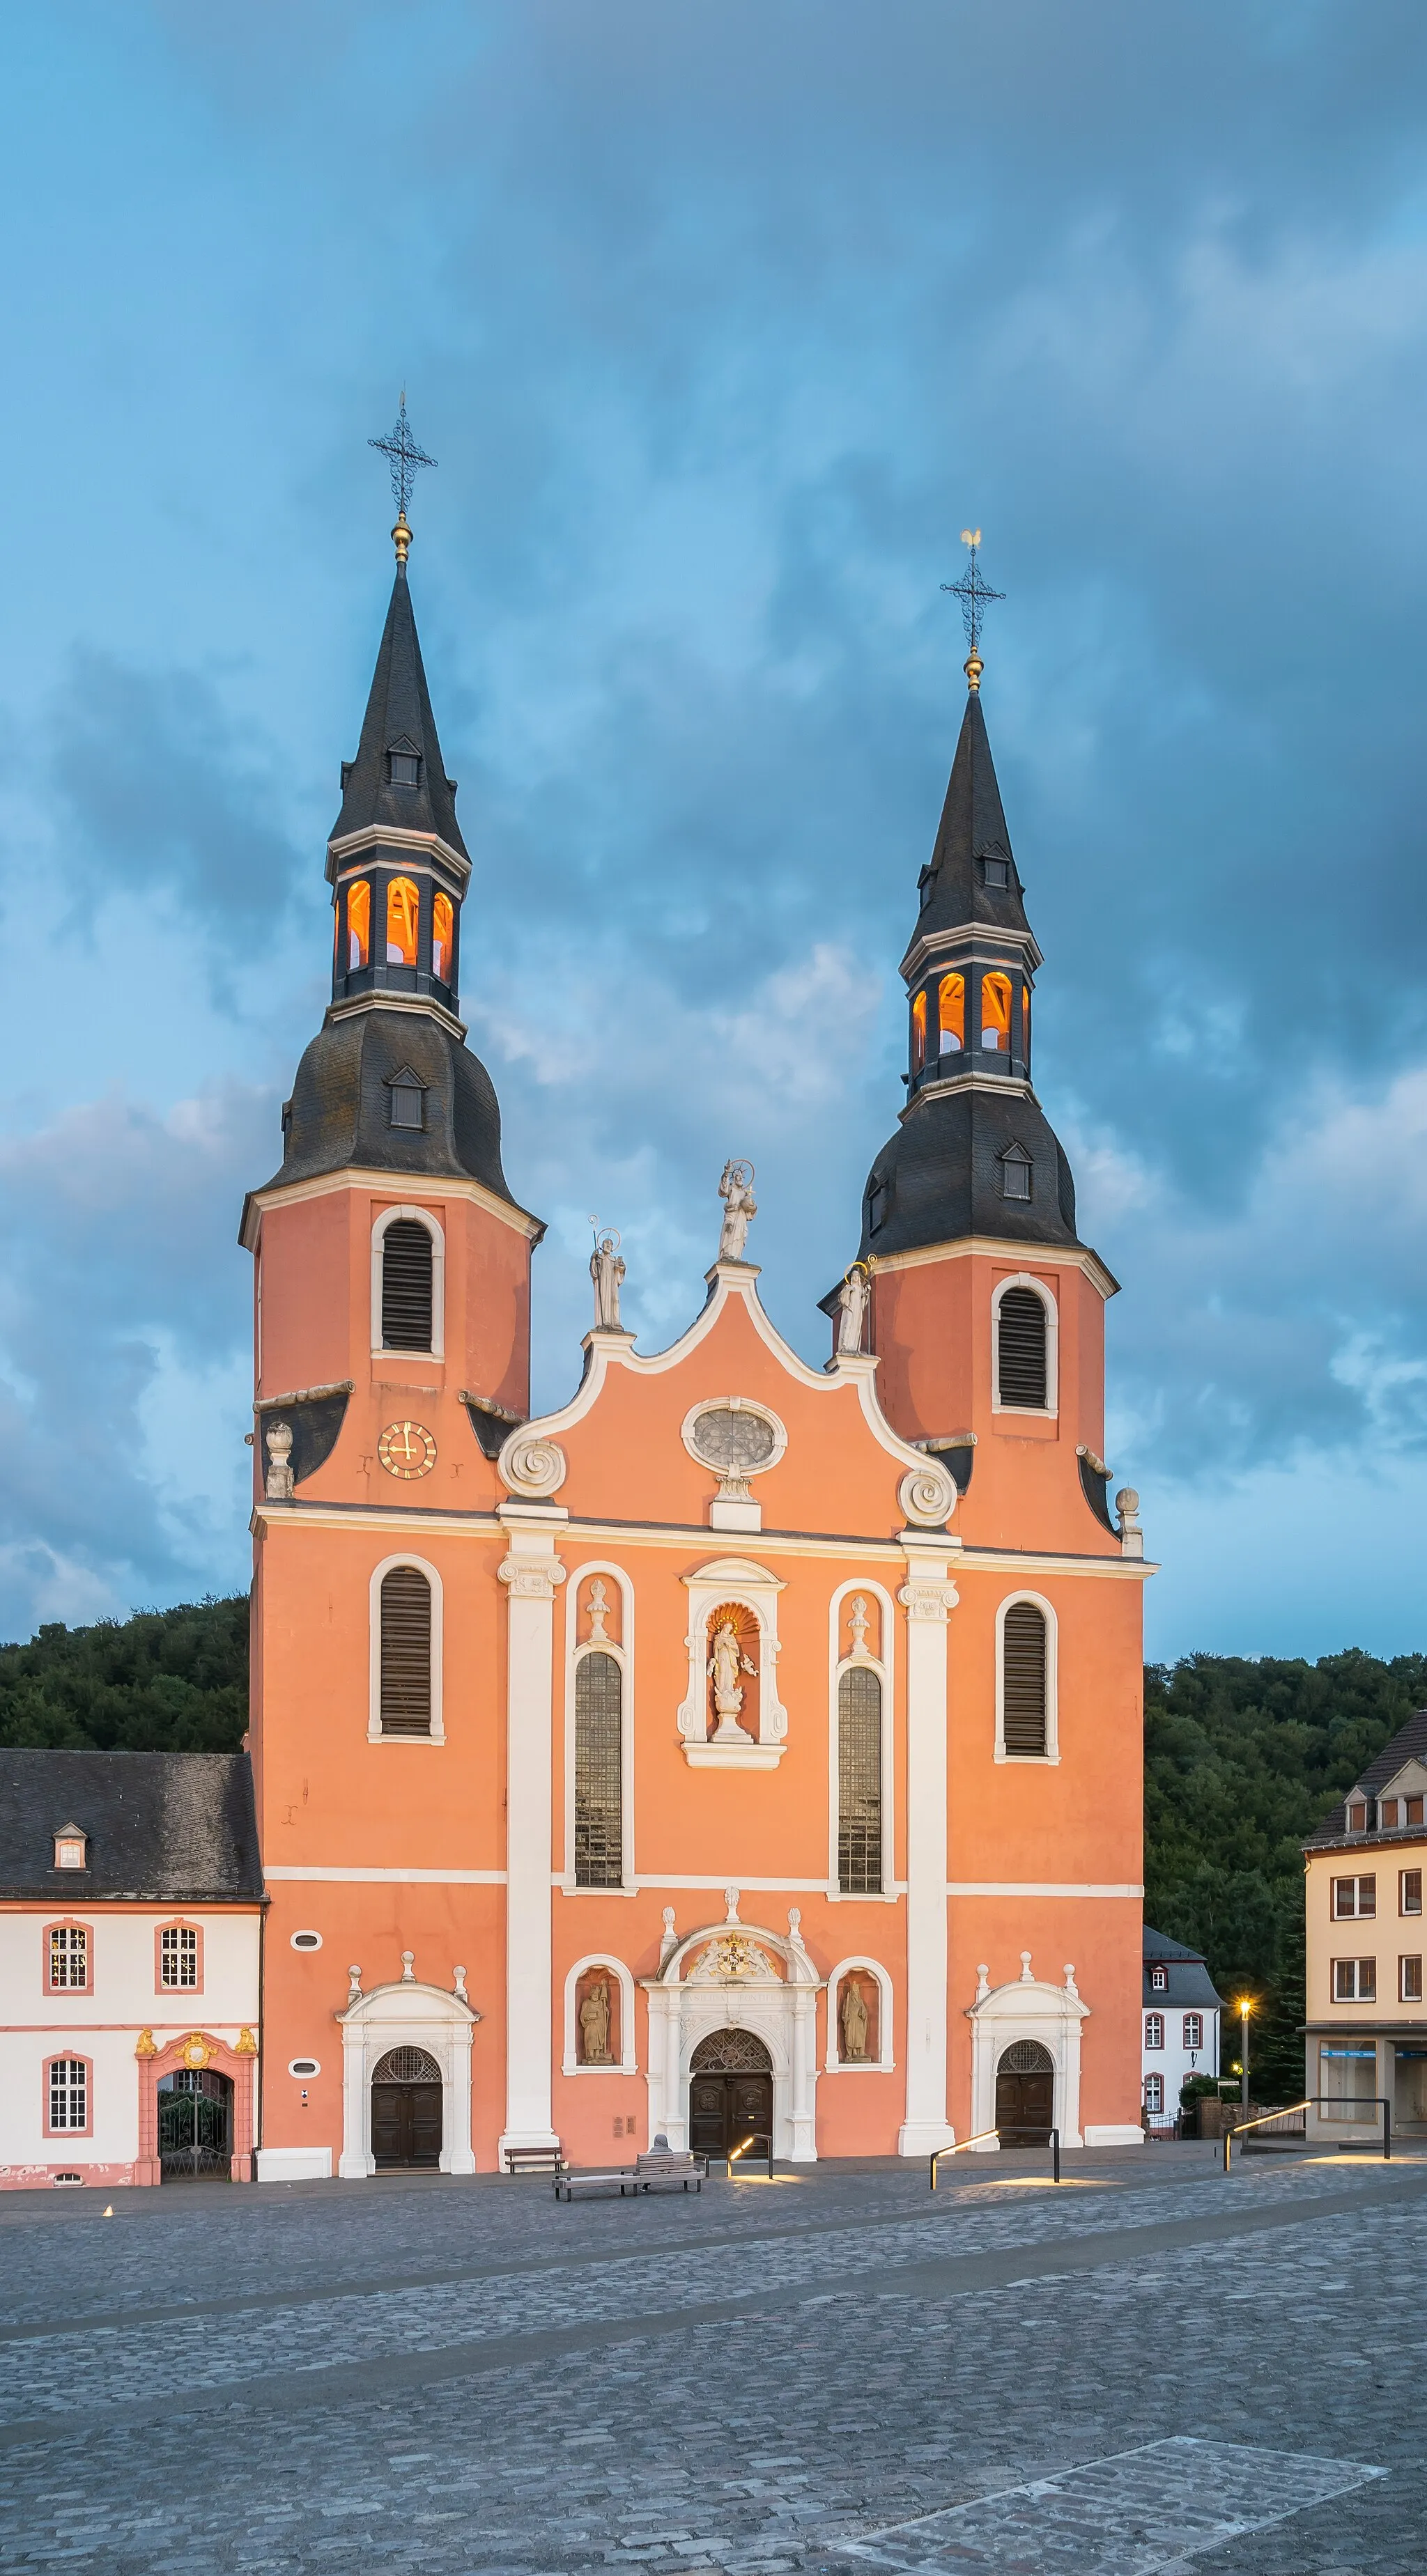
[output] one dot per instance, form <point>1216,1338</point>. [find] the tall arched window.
<point>919,1032</point>
<point>859,1782</point>
<point>407,1301</point>
<point>359,924</point>
<point>996,1012</point>
<point>403,905</point>
<point>443,925</point>
<point>951,1014</point>
<point>405,1652</point>
<point>1023,1679</point>
<point>1022,1377</point>
<point>599,1771</point>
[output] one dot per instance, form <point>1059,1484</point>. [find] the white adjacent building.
<point>1180,2025</point>
<point>130,1923</point>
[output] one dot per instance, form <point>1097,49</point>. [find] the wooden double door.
<point>1025,2095</point>
<point>730,2093</point>
<point>406,2109</point>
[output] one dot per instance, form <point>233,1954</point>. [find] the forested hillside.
<point>1241,1760</point>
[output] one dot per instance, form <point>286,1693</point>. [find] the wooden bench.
<point>536,2160</point>
<point>660,2171</point>
<point>670,2169</point>
<point>620,2178</point>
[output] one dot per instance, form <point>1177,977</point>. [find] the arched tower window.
<point>599,1771</point>
<point>1021,1372</point>
<point>1023,1679</point>
<point>405,1652</point>
<point>403,905</point>
<point>443,926</point>
<point>951,1014</point>
<point>859,1782</point>
<point>407,1300</point>
<point>919,1032</point>
<point>359,924</point>
<point>996,1013</point>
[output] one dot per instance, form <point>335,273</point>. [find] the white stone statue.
<point>725,1664</point>
<point>594,2025</point>
<point>606,1270</point>
<point>739,1204</point>
<point>278,1441</point>
<point>852,1298</point>
<point>854,2020</point>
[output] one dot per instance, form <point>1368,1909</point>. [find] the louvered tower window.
<point>859,1782</point>
<point>406,1652</point>
<point>1021,1348</point>
<point>406,1286</point>
<point>1023,1679</point>
<point>599,1772</point>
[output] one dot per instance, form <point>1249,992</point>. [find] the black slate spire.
<point>379,788</point>
<point>957,886</point>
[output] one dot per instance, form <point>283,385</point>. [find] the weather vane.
<point>973,594</point>
<point>406,460</point>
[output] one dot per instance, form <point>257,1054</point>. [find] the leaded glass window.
<point>178,1956</point>
<point>859,1782</point>
<point>599,1771</point>
<point>69,1956</point>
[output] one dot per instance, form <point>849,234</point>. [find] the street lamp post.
<point>1245,2008</point>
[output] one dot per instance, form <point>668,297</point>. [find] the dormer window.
<point>407,1096</point>
<point>71,1847</point>
<point>1159,1980</point>
<point>404,767</point>
<point>1015,1173</point>
<point>876,1207</point>
<point>996,872</point>
<point>1357,1815</point>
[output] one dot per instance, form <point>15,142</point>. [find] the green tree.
<point>162,1681</point>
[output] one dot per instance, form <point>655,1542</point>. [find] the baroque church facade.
<point>746,1748</point>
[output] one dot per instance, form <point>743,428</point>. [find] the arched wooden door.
<point>730,2092</point>
<point>1025,2094</point>
<point>406,2109</point>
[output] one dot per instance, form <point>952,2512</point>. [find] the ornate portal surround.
<point>1028,2009</point>
<point>753,1588</point>
<point>732,1976</point>
<point>406,2015</point>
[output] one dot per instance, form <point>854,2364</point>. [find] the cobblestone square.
<point>827,2372</point>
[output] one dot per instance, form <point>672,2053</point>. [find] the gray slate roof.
<point>178,1827</point>
<point>1189,1980</point>
<point>399,715</point>
<point>972,827</point>
<point>340,1111</point>
<point>1409,1739</point>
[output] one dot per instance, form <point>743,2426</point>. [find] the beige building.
<point>1366,2029</point>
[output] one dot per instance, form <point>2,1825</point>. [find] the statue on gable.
<point>852,1300</point>
<point>606,1270</point>
<point>739,1204</point>
<point>726,1662</point>
<point>854,2020</point>
<point>594,2025</point>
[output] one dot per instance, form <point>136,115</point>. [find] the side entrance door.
<point>730,2093</point>
<point>406,2109</point>
<point>1025,2095</point>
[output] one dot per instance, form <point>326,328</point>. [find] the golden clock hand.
<point>406,1438</point>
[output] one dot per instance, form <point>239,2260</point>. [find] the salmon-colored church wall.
<point>1101,1938</point>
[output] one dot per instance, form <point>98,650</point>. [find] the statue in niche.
<point>739,1204</point>
<point>277,1440</point>
<point>725,1663</point>
<point>852,1300</point>
<point>594,2025</point>
<point>606,1270</point>
<point>854,2020</point>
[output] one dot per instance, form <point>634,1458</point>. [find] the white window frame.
<point>1048,1411</point>
<point>1154,2022</point>
<point>1159,1981</point>
<point>1051,1754</point>
<point>1409,1959</point>
<point>576,1648</point>
<point>1355,1914</point>
<point>627,2062</point>
<point>834,2062</point>
<point>433,1225</point>
<point>423,1565</point>
<point>1357,1966</point>
<point>1198,2020</point>
<point>1154,2086</point>
<point>885,1667</point>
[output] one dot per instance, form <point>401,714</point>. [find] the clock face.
<point>407,1449</point>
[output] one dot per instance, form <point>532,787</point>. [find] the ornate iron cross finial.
<point>973,594</point>
<point>406,460</point>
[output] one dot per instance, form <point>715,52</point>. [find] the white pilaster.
<point>927,1598</point>
<point>531,1573</point>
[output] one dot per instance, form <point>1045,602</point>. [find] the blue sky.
<point>723,320</point>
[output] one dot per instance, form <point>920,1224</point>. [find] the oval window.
<point>303,2066</point>
<point>306,1940</point>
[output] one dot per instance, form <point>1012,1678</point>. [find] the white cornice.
<point>927,945</point>
<point>394,836</point>
<point>993,1247</point>
<point>424,1002</point>
<point>391,1185</point>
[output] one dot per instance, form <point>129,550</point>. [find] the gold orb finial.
<point>973,666</point>
<point>401,537</point>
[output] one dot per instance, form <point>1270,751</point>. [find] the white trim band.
<point>398,1877</point>
<point>1035,1887</point>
